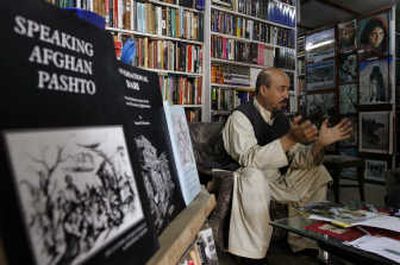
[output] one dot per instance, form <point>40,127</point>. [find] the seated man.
<point>272,161</point>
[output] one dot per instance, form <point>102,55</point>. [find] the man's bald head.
<point>272,89</point>
<point>266,75</point>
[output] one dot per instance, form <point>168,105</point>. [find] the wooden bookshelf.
<point>217,60</point>
<point>169,72</point>
<point>280,45</point>
<point>175,6</point>
<point>192,106</point>
<point>213,33</point>
<point>250,17</point>
<point>153,36</point>
<point>236,87</point>
<point>181,233</point>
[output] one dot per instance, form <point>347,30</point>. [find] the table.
<point>331,245</point>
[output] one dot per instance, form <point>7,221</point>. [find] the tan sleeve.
<point>241,144</point>
<point>302,158</point>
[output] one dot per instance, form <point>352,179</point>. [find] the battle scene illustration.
<point>76,188</point>
<point>158,182</point>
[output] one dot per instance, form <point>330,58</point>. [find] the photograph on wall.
<point>375,82</point>
<point>320,107</point>
<point>321,75</point>
<point>348,99</point>
<point>375,132</point>
<point>76,188</point>
<point>375,170</point>
<point>373,35</point>
<point>320,46</point>
<point>347,35</point>
<point>348,71</point>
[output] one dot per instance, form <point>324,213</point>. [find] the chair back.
<point>392,198</point>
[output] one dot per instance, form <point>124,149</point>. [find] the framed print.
<point>320,106</point>
<point>375,82</point>
<point>376,132</point>
<point>321,75</point>
<point>375,170</point>
<point>320,45</point>
<point>348,99</point>
<point>373,36</point>
<point>347,35</point>
<point>348,68</point>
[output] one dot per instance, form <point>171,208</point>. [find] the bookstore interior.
<point>199,132</point>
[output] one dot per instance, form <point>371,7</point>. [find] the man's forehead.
<point>279,75</point>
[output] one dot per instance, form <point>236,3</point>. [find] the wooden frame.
<point>376,132</point>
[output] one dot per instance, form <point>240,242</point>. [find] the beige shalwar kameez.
<point>259,180</point>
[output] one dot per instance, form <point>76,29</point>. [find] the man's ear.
<point>263,90</point>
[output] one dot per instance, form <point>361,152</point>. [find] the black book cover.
<point>67,189</point>
<point>154,157</point>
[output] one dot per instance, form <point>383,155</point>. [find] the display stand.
<point>182,232</point>
<point>2,254</point>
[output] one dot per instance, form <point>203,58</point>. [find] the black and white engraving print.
<point>158,181</point>
<point>76,189</point>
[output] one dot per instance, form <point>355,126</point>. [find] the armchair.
<point>209,159</point>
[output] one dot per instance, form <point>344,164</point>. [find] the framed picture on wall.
<point>348,99</point>
<point>375,82</point>
<point>347,35</point>
<point>320,106</point>
<point>321,75</point>
<point>320,45</point>
<point>376,132</point>
<point>373,36</point>
<point>375,170</point>
<point>348,68</point>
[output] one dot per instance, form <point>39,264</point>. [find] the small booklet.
<point>345,217</point>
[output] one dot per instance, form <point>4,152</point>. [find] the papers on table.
<point>371,220</point>
<point>383,246</point>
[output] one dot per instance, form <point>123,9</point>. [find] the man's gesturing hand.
<point>302,131</point>
<point>341,131</point>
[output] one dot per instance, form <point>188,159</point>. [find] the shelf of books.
<point>246,37</point>
<point>165,36</point>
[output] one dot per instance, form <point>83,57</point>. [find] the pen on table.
<point>363,230</point>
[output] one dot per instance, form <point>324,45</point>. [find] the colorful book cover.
<point>69,192</point>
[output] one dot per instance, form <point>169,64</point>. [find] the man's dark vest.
<point>264,132</point>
